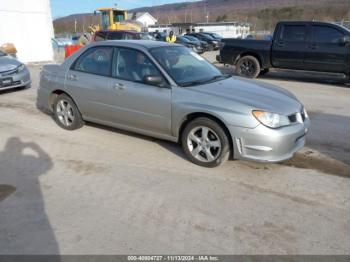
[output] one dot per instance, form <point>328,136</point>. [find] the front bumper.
<point>15,80</point>
<point>268,145</point>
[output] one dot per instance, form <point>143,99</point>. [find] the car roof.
<point>117,31</point>
<point>147,44</point>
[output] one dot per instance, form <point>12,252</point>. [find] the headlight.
<point>271,119</point>
<point>21,68</point>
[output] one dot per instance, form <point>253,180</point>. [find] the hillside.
<point>263,14</point>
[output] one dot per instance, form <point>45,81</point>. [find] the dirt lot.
<point>103,191</point>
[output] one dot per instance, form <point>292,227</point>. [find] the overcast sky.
<point>68,7</point>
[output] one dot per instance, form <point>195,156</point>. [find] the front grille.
<point>297,118</point>
<point>9,73</point>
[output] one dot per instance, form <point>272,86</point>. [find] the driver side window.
<point>133,65</point>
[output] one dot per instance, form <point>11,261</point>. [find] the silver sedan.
<point>169,92</point>
<point>13,73</point>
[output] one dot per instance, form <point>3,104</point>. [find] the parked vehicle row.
<point>198,42</point>
<point>312,46</point>
<point>170,92</point>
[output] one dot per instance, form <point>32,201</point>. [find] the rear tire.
<point>66,113</point>
<point>248,66</point>
<point>205,142</point>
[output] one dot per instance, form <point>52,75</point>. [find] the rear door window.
<point>96,60</point>
<point>325,34</point>
<point>294,33</point>
<point>100,36</point>
<point>115,36</point>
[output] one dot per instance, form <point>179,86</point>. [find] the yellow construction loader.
<point>114,19</point>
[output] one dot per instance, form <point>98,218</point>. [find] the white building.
<point>225,29</point>
<point>28,25</point>
<point>145,18</point>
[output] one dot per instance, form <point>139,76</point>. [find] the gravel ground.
<point>99,190</point>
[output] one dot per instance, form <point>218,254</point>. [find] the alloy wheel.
<point>204,144</point>
<point>65,113</point>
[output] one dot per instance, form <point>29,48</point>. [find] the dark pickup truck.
<point>311,46</point>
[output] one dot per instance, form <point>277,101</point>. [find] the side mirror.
<point>154,81</point>
<point>344,40</point>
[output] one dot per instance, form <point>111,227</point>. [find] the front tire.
<point>205,142</point>
<point>66,113</point>
<point>248,66</point>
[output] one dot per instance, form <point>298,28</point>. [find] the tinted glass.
<point>325,34</point>
<point>294,33</point>
<point>192,38</point>
<point>184,65</point>
<point>208,37</point>
<point>133,65</point>
<point>105,20</point>
<point>115,36</point>
<point>97,60</point>
<point>100,36</point>
<point>183,39</point>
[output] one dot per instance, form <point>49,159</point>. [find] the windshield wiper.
<point>212,79</point>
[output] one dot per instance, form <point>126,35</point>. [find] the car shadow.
<point>321,78</point>
<point>173,147</point>
<point>328,142</point>
<point>25,227</point>
<point>13,90</point>
<point>306,76</point>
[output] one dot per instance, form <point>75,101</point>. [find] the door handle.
<point>119,87</point>
<point>280,44</point>
<point>73,77</point>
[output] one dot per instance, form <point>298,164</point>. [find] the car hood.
<point>253,94</point>
<point>8,63</point>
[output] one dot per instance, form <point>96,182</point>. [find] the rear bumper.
<point>268,145</point>
<point>43,98</point>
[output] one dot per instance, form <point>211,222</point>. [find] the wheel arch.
<point>191,116</point>
<point>54,94</point>
<point>253,54</point>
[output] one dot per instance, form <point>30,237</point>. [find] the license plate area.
<point>5,82</point>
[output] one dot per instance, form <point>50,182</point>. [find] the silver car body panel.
<point>160,112</point>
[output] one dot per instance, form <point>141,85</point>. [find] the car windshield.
<point>192,38</point>
<point>183,39</point>
<point>208,37</point>
<point>185,66</point>
<point>215,35</point>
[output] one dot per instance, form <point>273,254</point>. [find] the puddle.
<point>5,191</point>
<point>309,160</point>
